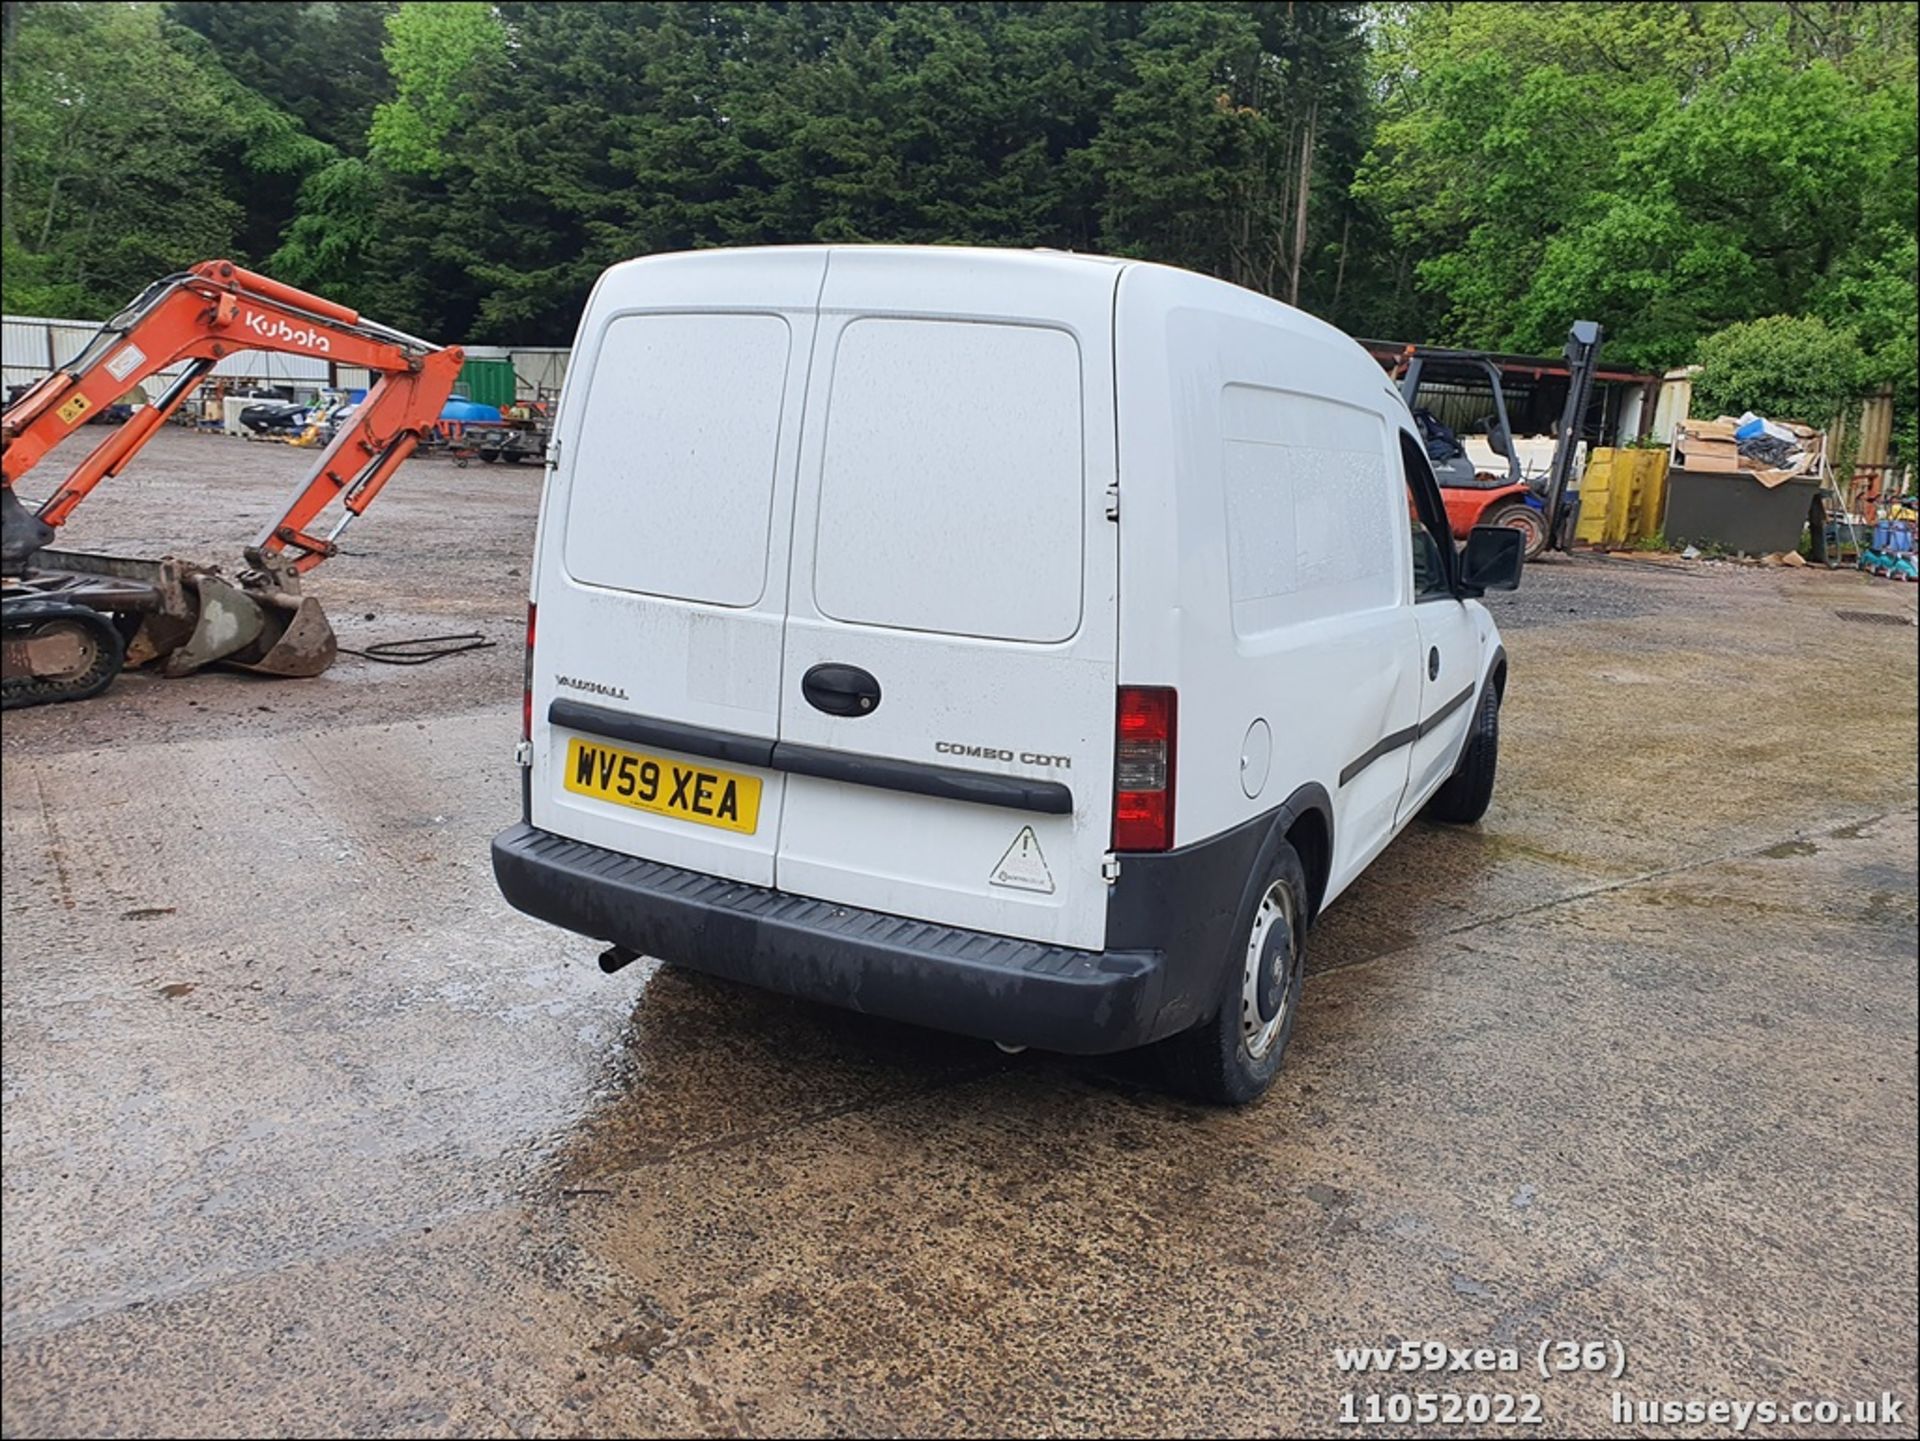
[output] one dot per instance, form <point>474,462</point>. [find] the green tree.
<point>1474,172</point>
<point>1668,169</point>
<point>318,61</point>
<point>1872,294</point>
<point>1784,367</point>
<point>438,54</point>
<point>131,151</point>
<point>336,222</point>
<point>376,232</point>
<point>126,155</point>
<point>590,133</point>
<point>1226,118</point>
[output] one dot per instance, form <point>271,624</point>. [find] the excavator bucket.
<point>225,620</point>
<point>193,616</point>
<point>295,637</point>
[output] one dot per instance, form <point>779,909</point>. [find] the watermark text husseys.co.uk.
<point>1886,1409</point>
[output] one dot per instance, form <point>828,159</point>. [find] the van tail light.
<point>526,693</point>
<point>1143,769</point>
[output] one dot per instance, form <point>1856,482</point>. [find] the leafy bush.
<point>1785,367</point>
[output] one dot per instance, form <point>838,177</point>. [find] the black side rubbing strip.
<point>948,782</point>
<point>1049,798</point>
<point>1432,722</point>
<point>668,735</point>
<point>1384,746</point>
<point>1387,744</point>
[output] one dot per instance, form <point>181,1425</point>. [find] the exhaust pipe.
<point>617,958</point>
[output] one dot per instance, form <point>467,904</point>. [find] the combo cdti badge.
<point>1023,644</point>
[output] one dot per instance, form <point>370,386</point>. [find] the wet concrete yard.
<point>305,1131</point>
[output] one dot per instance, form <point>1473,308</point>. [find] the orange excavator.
<point>69,622</point>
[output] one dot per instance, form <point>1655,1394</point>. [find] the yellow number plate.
<point>681,789</point>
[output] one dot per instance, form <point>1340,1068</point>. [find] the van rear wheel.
<point>1233,1057</point>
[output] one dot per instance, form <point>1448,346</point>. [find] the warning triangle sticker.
<point>1023,868</point>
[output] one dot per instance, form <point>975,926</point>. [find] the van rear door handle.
<point>841,690</point>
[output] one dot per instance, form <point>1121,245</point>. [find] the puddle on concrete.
<point>1856,830</point>
<point>638,1342</point>
<point>1497,846</point>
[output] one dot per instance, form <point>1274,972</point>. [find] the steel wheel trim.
<point>1260,970</point>
<point>1528,521</point>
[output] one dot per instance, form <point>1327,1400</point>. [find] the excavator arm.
<point>183,616</point>
<point>201,316</point>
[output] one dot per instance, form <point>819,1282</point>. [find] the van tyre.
<point>1231,1058</point>
<point>1469,790</point>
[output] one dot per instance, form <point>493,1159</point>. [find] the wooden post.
<point>1300,210</point>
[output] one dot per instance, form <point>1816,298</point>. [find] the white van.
<point>1022,644</point>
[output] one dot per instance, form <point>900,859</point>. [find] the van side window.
<point>1309,497</point>
<point>1431,538</point>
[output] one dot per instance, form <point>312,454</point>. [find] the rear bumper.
<point>995,987</point>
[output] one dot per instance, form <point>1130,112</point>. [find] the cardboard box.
<point>1780,475</point>
<point>1696,451</point>
<point>1721,429</point>
<point>1717,464</point>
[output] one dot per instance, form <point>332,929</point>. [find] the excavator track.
<point>53,650</point>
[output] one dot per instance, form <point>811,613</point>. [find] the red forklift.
<point>1540,506</point>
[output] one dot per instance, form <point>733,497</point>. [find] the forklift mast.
<point>1583,359</point>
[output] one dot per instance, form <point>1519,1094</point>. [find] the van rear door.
<point>662,580</point>
<point>947,694</point>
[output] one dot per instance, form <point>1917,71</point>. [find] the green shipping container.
<point>487,382</point>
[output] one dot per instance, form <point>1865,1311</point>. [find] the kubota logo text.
<point>274,328</point>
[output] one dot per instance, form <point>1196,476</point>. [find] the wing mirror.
<point>1493,558</point>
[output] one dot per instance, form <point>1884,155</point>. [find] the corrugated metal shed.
<point>537,369</point>
<point>35,345</point>
<point>487,381</point>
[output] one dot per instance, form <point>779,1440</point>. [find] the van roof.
<point>1009,254</point>
<point>1149,287</point>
